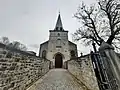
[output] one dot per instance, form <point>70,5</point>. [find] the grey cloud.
<point>34,45</point>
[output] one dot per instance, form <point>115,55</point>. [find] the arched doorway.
<point>58,61</point>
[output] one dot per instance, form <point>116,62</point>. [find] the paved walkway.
<point>57,79</point>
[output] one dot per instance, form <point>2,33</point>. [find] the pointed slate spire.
<point>59,26</point>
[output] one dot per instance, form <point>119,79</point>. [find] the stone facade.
<point>58,43</point>
<point>83,70</point>
<point>18,71</point>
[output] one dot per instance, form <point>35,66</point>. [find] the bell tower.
<point>58,43</point>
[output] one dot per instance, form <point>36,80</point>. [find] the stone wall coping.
<point>105,46</point>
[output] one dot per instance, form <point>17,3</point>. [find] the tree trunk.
<point>110,39</point>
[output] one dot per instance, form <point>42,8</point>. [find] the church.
<point>58,48</point>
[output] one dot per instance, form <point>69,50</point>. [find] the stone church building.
<point>58,48</point>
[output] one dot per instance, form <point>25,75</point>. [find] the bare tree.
<point>5,40</point>
<point>23,47</point>
<point>18,45</point>
<point>99,22</point>
<point>14,44</point>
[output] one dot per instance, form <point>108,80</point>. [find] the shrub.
<point>9,55</point>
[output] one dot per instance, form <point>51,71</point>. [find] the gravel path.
<point>57,79</point>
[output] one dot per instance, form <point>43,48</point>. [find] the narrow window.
<point>44,54</point>
<point>58,34</point>
<point>72,53</point>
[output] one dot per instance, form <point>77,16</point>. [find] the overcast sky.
<point>29,21</point>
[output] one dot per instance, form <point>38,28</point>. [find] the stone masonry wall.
<point>82,69</point>
<point>18,72</point>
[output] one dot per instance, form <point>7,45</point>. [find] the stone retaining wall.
<point>82,69</point>
<point>18,72</point>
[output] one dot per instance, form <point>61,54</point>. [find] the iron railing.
<point>104,82</point>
